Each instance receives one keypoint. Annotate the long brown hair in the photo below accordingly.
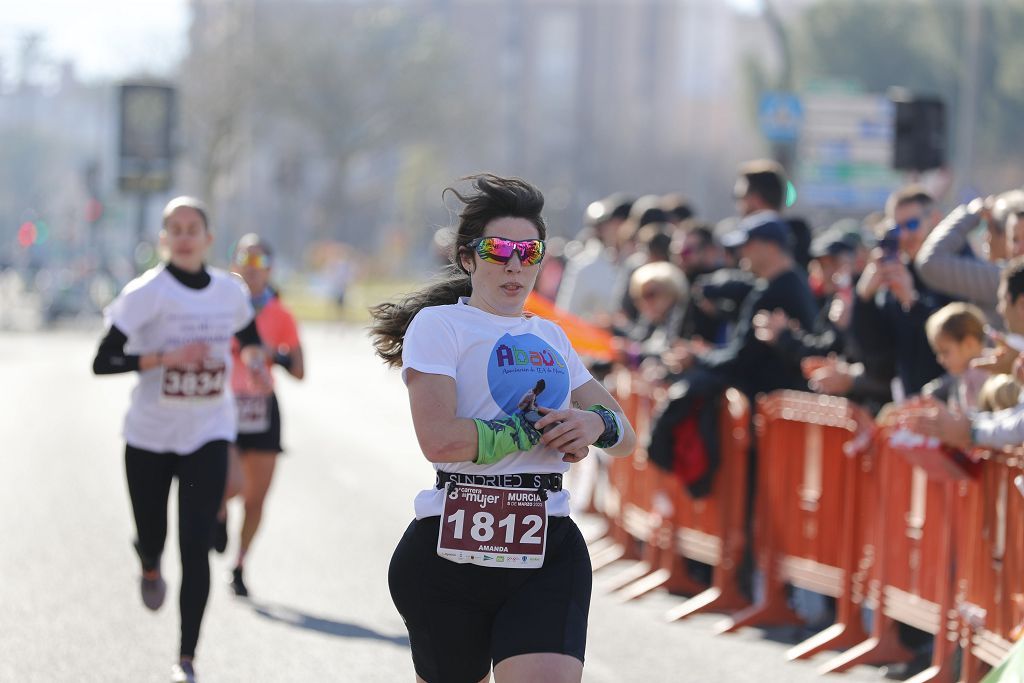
(493, 197)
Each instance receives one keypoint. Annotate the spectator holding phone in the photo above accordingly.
(892, 302)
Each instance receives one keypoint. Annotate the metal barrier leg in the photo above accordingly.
(669, 572)
(838, 636)
(882, 647)
(772, 609)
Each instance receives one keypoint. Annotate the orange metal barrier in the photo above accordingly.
(616, 499)
(807, 486)
(913, 580)
(711, 529)
(919, 541)
(675, 527)
(648, 507)
(990, 564)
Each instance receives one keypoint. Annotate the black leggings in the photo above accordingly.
(201, 478)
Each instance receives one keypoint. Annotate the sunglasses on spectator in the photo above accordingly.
(651, 294)
(500, 250)
(252, 260)
(911, 224)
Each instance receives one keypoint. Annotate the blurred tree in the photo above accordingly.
(330, 94)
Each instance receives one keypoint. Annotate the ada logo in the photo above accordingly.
(517, 363)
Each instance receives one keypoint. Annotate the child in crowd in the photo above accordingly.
(956, 333)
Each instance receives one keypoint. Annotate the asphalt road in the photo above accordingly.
(320, 608)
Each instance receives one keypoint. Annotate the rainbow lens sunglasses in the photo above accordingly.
(499, 250)
(244, 258)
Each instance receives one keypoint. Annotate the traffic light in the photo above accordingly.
(27, 234)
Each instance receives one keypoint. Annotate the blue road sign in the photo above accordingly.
(780, 116)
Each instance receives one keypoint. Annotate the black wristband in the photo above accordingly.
(610, 436)
(283, 359)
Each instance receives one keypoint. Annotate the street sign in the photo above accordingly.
(845, 151)
(780, 116)
(146, 140)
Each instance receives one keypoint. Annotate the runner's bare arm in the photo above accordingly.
(442, 436)
(297, 366)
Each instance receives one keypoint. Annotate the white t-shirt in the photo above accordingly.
(494, 361)
(171, 411)
(588, 283)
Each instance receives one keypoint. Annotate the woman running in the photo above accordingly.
(259, 418)
(174, 325)
(493, 572)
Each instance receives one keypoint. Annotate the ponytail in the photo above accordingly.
(391, 319)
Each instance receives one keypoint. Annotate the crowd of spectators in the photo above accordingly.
(905, 304)
(906, 308)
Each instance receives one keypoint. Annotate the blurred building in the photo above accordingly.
(582, 98)
(59, 151)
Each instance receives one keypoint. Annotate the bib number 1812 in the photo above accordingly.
(493, 527)
(483, 527)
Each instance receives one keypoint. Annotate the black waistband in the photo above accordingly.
(549, 482)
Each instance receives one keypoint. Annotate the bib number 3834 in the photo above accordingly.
(493, 527)
(181, 386)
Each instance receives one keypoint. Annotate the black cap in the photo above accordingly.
(769, 231)
(831, 243)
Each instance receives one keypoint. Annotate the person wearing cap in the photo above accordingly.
(583, 290)
(678, 208)
(747, 362)
(860, 240)
(893, 302)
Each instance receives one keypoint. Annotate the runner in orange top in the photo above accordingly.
(259, 418)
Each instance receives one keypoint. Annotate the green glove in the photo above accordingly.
(497, 438)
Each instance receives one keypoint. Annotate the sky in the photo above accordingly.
(104, 38)
(108, 39)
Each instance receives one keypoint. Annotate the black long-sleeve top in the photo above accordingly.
(882, 328)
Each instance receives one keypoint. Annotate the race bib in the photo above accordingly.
(253, 413)
(493, 527)
(188, 386)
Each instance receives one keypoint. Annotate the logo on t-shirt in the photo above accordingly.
(515, 366)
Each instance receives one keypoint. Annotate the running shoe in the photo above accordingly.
(237, 584)
(183, 672)
(153, 592)
(220, 534)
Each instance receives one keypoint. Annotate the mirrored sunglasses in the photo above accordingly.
(500, 250)
(252, 260)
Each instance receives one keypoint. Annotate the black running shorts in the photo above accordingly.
(463, 617)
(269, 440)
